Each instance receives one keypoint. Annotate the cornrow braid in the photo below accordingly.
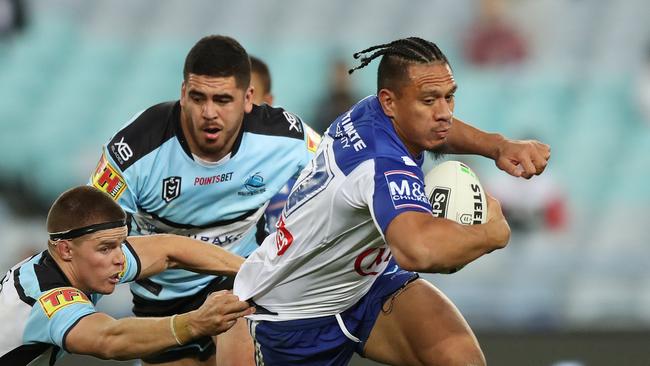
(412, 49)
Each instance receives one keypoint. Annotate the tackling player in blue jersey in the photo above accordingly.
(205, 167)
(48, 301)
(324, 284)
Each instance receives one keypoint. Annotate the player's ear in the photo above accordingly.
(387, 100)
(183, 88)
(248, 99)
(63, 248)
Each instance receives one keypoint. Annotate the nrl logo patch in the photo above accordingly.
(171, 188)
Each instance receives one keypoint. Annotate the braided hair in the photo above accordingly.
(395, 57)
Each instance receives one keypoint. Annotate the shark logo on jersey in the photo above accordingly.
(406, 189)
(253, 185)
(171, 188)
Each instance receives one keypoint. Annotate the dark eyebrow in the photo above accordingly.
(222, 97)
(194, 93)
(436, 92)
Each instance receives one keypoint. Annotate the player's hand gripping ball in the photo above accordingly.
(456, 194)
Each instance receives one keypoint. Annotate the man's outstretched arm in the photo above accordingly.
(102, 336)
(519, 158)
(160, 252)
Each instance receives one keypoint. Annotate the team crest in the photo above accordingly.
(171, 188)
(253, 185)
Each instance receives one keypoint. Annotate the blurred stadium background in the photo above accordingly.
(573, 286)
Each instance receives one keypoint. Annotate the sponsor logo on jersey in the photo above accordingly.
(253, 185)
(348, 135)
(406, 189)
(440, 201)
(171, 188)
(122, 150)
(283, 237)
(294, 121)
(220, 240)
(313, 139)
(220, 178)
(58, 298)
(369, 262)
(107, 179)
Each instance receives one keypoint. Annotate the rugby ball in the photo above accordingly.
(456, 194)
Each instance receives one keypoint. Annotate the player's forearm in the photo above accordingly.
(131, 338)
(466, 139)
(164, 251)
(435, 245)
(201, 257)
(459, 245)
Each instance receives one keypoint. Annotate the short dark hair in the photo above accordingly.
(396, 56)
(259, 67)
(219, 56)
(82, 206)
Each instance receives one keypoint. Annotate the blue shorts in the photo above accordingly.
(321, 341)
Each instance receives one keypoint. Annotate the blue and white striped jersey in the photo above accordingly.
(329, 246)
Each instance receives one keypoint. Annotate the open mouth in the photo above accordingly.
(211, 133)
(114, 279)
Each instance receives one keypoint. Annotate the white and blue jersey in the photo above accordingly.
(329, 247)
(40, 307)
(147, 167)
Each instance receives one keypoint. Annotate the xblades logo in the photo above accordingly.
(123, 149)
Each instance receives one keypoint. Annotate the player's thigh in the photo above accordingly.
(421, 326)
(186, 362)
(235, 347)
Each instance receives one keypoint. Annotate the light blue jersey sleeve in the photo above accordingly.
(132, 266)
(56, 312)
